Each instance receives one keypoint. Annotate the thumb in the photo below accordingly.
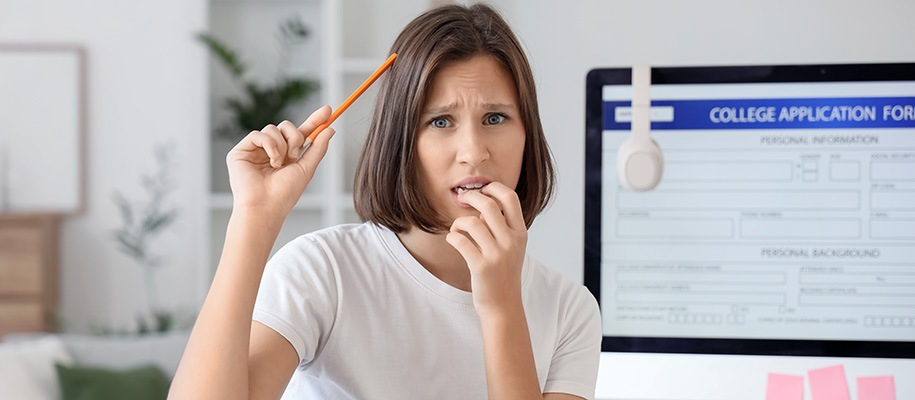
(314, 154)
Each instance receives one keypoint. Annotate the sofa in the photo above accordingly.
(43, 366)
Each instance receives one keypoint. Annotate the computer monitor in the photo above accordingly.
(784, 223)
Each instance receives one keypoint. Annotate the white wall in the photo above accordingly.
(565, 39)
(146, 86)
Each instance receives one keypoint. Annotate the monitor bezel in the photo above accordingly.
(599, 77)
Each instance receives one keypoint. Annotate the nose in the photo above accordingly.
(472, 148)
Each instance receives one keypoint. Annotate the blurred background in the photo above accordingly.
(133, 140)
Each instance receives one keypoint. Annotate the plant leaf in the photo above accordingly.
(297, 89)
(156, 222)
(223, 53)
(128, 244)
(294, 28)
(124, 206)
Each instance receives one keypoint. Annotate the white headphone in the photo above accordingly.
(639, 163)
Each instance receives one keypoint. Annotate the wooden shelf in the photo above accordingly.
(28, 273)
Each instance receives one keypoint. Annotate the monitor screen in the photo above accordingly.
(784, 222)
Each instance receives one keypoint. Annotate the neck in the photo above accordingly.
(437, 256)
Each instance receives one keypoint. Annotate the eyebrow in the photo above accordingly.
(447, 108)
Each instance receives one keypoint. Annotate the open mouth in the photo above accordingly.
(470, 186)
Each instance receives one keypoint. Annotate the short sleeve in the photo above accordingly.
(298, 296)
(573, 369)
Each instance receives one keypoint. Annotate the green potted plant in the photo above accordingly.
(141, 222)
(260, 104)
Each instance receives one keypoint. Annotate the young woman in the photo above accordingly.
(433, 297)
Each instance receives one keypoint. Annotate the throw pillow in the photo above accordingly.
(93, 383)
(27, 368)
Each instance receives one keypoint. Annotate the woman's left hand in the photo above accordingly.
(493, 244)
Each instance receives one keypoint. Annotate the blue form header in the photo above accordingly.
(801, 113)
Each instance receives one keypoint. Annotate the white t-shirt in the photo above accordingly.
(369, 322)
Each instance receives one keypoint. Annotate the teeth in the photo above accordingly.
(473, 186)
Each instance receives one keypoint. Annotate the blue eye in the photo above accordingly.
(440, 122)
(495, 119)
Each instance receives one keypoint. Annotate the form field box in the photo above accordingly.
(800, 228)
(857, 300)
(845, 171)
(702, 298)
(893, 170)
(727, 171)
(893, 229)
(870, 278)
(895, 200)
(724, 278)
(820, 200)
(658, 114)
(675, 228)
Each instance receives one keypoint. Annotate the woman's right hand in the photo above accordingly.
(263, 172)
(225, 349)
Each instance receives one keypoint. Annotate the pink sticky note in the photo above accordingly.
(876, 388)
(785, 387)
(828, 383)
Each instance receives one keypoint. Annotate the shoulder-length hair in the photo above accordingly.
(387, 188)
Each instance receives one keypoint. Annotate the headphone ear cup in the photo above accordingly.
(639, 165)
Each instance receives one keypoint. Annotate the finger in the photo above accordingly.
(293, 137)
(465, 246)
(258, 140)
(279, 157)
(477, 231)
(508, 203)
(316, 118)
(490, 211)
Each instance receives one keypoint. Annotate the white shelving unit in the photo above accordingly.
(349, 39)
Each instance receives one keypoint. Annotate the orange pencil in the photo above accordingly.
(333, 117)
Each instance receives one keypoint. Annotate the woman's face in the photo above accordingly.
(470, 133)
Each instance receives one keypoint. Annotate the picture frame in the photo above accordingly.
(42, 129)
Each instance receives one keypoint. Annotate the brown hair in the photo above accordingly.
(387, 188)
